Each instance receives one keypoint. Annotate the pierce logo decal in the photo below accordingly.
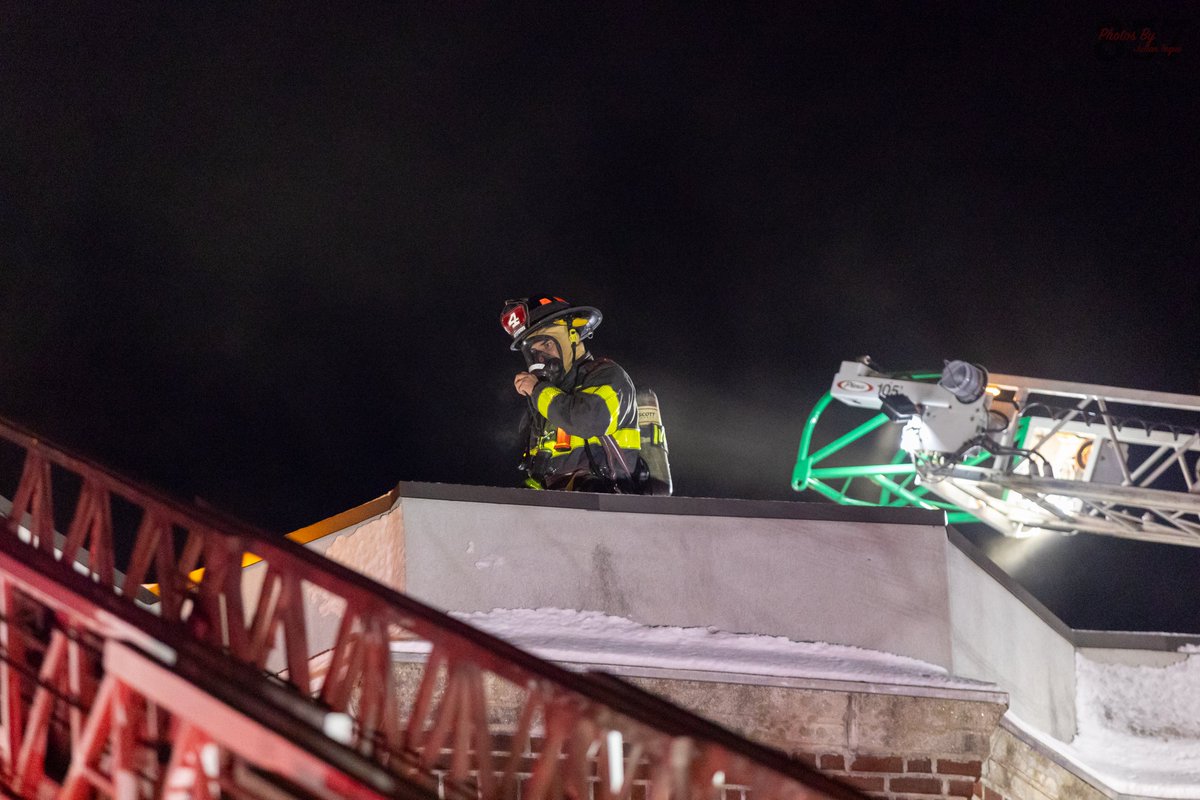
(855, 386)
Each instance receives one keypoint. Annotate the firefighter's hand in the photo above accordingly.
(524, 383)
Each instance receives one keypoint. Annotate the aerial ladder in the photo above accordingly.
(1026, 456)
(207, 688)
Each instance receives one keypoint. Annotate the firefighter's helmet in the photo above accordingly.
(521, 318)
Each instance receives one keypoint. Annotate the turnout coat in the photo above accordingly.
(585, 429)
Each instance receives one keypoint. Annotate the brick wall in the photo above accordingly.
(893, 746)
(842, 722)
(890, 777)
(1014, 767)
(985, 792)
(1018, 768)
(897, 777)
(888, 745)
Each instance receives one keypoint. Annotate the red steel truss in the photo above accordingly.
(105, 694)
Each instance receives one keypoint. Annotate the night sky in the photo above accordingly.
(257, 255)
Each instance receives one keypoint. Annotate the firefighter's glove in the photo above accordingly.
(524, 383)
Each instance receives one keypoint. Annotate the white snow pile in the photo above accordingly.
(1139, 726)
(595, 639)
(1145, 701)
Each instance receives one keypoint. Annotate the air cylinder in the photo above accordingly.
(654, 444)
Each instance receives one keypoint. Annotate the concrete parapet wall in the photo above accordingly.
(999, 637)
(881, 586)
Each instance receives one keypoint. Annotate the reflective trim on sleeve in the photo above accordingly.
(611, 400)
(544, 397)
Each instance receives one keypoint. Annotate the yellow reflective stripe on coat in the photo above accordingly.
(626, 439)
(611, 400)
(544, 398)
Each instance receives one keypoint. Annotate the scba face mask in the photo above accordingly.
(544, 358)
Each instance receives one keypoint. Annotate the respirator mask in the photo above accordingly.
(543, 358)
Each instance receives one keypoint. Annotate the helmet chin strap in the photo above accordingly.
(575, 346)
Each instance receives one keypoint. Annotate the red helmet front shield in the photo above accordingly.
(514, 319)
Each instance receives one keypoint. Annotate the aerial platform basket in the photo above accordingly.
(1023, 455)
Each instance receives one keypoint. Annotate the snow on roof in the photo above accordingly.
(600, 640)
(1139, 726)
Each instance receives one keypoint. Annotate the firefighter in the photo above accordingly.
(583, 410)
